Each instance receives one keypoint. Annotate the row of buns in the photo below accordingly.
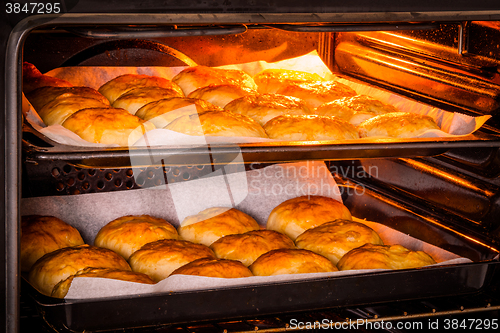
(277, 104)
(303, 235)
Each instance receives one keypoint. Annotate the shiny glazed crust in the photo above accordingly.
(164, 111)
(56, 266)
(294, 216)
(250, 245)
(264, 107)
(335, 238)
(159, 259)
(270, 81)
(396, 125)
(61, 289)
(218, 268)
(372, 256)
(127, 234)
(124, 83)
(41, 96)
(44, 234)
(309, 128)
(291, 261)
(136, 98)
(214, 123)
(221, 94)
(107, 126)
(213, 223)
(196, 77)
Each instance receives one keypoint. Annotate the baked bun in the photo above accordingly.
(218, 268)
(221, 94)
(270, 81)
(107, 126)
(213, 223)
(124, 83)
(159, 259)
(294, 216)
(291, 261)
(316, 93)
(264, 107)
(136, 98)
(61, 289)
(335, 238)
(59, 109)
(355, 109)
(250, 245)
(44, 234)
(41, 96)
(309, 128)
(56, 266)
(373, 256)
(33, 79)
(127, 234)
(397, 125)
(164, 111)
(196, 77)
(215, 123)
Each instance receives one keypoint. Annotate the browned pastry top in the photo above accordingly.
(372, 256)
(221, 94)
(291, 261)
(41, 96)
(294, 216)
(335, 238)
(33, 79)
(272, 80)
(397, 125)
(309, 128)
(127, 234)
(107, 126)
(159, 259)
(219, 268)
(56, 266)
(136, 98)
(61, 289)
(43, 234)
(250, 245)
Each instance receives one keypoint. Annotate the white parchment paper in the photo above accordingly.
(451, 124)
(255, 192)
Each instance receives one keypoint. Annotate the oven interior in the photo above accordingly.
(453, 66)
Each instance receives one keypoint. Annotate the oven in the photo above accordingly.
(443, 191)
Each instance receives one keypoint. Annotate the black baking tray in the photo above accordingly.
(37, 147)
(304, 295)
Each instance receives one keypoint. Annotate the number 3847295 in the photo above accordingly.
(32, 8)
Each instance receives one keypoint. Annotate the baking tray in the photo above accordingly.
(302, 295)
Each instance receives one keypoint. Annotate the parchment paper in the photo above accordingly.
(255, 192)
(451, 124)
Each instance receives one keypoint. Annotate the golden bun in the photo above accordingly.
(34, 79)
(42, 96)
(309, 128)
(264, 107)
(122, 84)
(127, 234)
(159, 259)
(61, 289)
(216, 123)
(196, 77)
(291, 261)
(396, 125)
(136, 98)
(373, 256)
(213, 223)
(335, 238)
(316, 93)
(44, 234)
(221, 94)
(213, 267)
(107, 126)
(270, 81)
(250, 245)
(164, 111)
(294, 216)
(56, 266)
